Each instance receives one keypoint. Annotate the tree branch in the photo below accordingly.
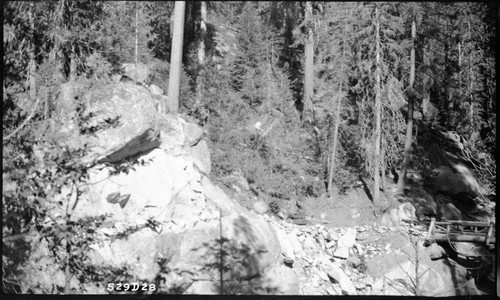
(24, 123)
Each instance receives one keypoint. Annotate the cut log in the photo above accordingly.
(454, 237)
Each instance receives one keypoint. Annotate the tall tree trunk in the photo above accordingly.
(203, 33)
(459, 46)
(72, 64)
(448, 107)
(378, 112)
(67, 270)
(337, 118)
(382, 166)
(221, 253)
(269, 55)
(176, 57)
(409, 121)
(55, 55)
(426, 95)
(471, 79)
(136, 38)
(201, 49)
(32, 62)
(308, 67)
(55, 61)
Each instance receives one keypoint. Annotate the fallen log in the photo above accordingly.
(457, 237)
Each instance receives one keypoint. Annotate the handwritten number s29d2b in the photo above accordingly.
(131, 287)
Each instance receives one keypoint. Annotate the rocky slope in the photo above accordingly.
(369, 260)
(169, 225)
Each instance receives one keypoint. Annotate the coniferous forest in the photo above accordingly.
(302, 104)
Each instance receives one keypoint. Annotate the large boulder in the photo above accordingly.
(137, 252)
(336, 273)
(191, 212)
(164, 212)
(128, 119)
(152, 188)
(155, 90)
(148, 188)
(248, 241)
(285, 243)
(246, 254)
(195, 145)
(280, 280)
(394, 216)
(138, 73)
(193, 133)
(193, 217)
(200, 153)
(425, 207)
(453, 180)
(446, 210)
(400, 281)
(246, 225)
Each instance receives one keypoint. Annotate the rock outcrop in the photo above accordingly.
(138, 73)
(454, 180)
(155, 90)
(401, 281)
(164, 207)
(129, 120)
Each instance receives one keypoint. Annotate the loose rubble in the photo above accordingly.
(330, 261)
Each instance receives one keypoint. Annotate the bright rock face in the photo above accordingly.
(130, 122)
(172, 208)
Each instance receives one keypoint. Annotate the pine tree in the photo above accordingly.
(456, 65)
(308, 65)
(333, 65)
(126, 30)
(378, 79)
(412, 15)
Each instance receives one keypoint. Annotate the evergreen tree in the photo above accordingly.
(456, 64)
(410, 91)
(378, 79)
(118, 34)
(333, 52)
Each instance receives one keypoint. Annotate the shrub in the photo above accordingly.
(43, 181)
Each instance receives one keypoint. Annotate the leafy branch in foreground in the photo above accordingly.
(44, 179)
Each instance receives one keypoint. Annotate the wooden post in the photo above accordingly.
(431, 228)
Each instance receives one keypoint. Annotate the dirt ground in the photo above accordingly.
(353, 209)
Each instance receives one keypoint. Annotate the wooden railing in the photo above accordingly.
(461, 231)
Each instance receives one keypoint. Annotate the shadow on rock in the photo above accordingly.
(232, 265)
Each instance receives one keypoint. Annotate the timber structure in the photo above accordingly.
(461, 231)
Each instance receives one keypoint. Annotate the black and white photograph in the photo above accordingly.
(262, 148)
